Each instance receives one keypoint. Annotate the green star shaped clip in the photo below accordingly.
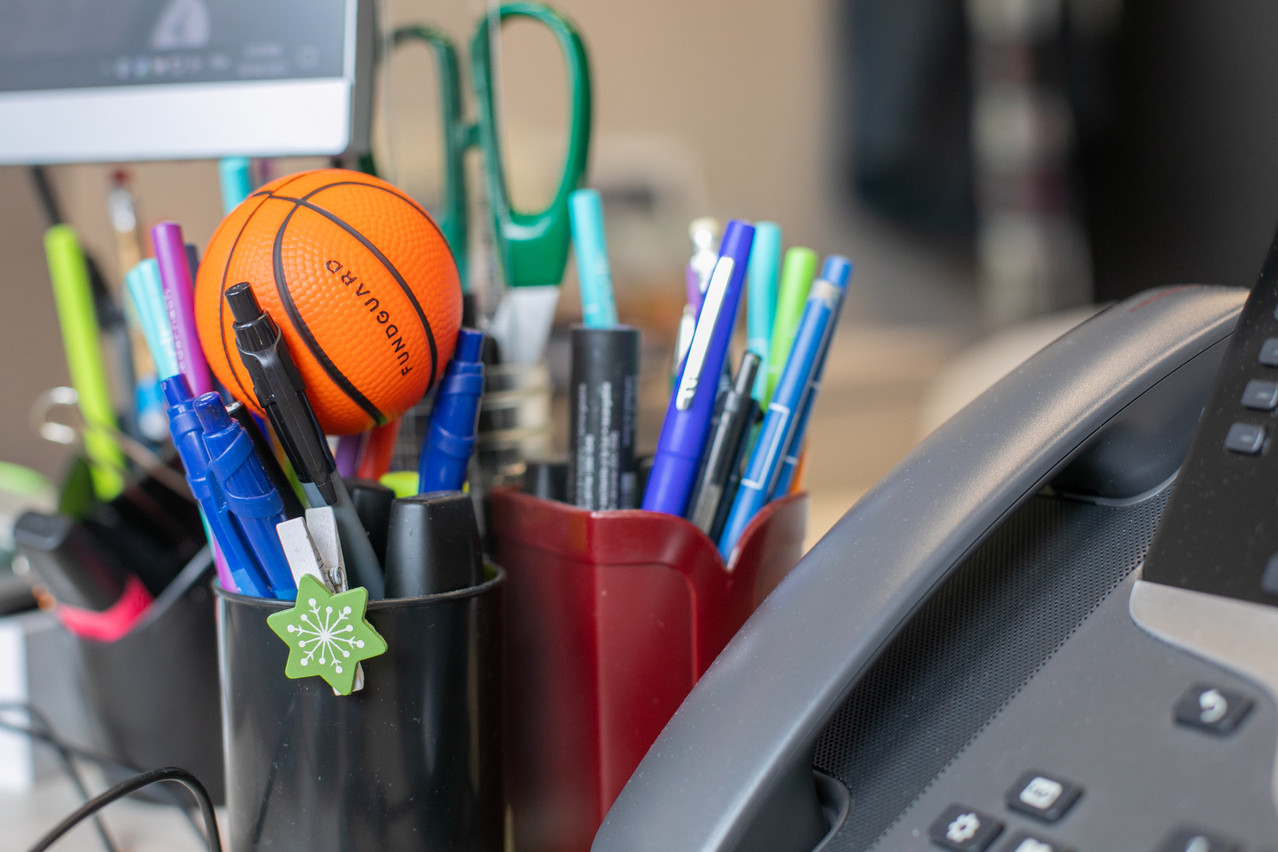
(327, 634)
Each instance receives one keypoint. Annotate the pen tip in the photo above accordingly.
(328, 491)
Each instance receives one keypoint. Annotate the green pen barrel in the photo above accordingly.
(413, 761)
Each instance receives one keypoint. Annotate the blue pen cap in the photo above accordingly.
(837, 270)
(470, 345)
(212, 412)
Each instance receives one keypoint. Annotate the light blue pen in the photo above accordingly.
(590, 248)
(795, 449)
(147, 292)
(811, 342)
(236, 177)
(761, 298)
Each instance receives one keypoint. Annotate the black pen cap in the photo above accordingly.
(372, 502)
(432, 545)
(254, 328)
(547, 478)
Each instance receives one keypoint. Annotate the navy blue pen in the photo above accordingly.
(188, 439)
(687, 424)
(454, 419)
(255, 506)
(811, 342)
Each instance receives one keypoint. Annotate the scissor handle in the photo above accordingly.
(451, 217)
(533, 246)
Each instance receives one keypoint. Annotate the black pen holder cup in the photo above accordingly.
(152, 694)
(413, 761)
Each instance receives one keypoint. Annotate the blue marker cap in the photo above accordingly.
(590, 247)
(450, 440)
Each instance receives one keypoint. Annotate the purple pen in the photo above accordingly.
(687, 424)
(179, 299)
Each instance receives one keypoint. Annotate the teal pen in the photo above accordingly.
(590, 248)
(236, 177)
(147, 294)
(761, 298)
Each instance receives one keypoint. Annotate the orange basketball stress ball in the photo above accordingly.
(360, 281)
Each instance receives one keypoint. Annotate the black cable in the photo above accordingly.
(46, 734)
(100, 760)
(130, 785)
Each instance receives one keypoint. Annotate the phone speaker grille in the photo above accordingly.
(1006, 610)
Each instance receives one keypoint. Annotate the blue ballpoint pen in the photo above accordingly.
(761, 297)
(687, 424)
(450, 440)
(795, 448)
(811, 342)
(188, 439)
(590, 248)
(254, 504)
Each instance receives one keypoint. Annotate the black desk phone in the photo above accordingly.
(1054, 626)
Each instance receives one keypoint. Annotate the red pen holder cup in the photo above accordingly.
(611, 619)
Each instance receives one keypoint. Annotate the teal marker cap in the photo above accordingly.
(761, 297)
(236, 178)
(590, 247)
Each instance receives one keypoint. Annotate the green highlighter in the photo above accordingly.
(74, 299)
(797, 272)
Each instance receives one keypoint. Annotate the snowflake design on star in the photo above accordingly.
(327, 634)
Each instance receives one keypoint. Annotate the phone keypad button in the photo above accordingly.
(1261, 395)
(1212, 708)
(1245, 438)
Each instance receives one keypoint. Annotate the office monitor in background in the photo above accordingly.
(183, 79)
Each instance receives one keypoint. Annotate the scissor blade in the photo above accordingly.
(522, 322)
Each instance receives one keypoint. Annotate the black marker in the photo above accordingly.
(736, 411)
(372, 502)
(603, 393)
(547, 478)
(432, 545)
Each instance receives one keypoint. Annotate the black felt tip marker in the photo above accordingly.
(736, 412)
(603, 391)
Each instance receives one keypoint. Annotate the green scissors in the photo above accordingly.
(532, 246)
